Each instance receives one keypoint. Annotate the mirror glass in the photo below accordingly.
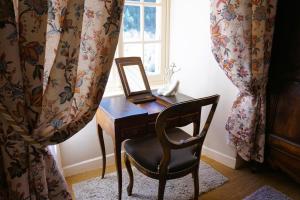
(134, 78)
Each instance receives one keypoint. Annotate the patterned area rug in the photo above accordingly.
(146, 188)
(267, 193)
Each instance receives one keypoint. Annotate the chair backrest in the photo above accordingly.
(180, 115)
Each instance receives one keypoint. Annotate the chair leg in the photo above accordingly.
(129, 170)
(196, 183)
(161, 187)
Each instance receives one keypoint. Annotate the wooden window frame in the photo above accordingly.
(114, 85)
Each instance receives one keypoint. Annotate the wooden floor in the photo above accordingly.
(241, 182)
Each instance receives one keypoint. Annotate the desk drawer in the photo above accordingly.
(133, 131)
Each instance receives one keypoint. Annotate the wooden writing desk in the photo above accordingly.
(123, 120)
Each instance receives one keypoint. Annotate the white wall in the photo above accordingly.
(200, 75)
(82, 151)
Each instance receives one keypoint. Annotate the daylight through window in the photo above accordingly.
(143, 34)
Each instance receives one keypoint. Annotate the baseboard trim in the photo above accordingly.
(96, 163)
(88, 165)
(219, 157)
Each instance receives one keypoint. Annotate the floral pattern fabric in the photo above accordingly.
(241, 33)
(55, 58)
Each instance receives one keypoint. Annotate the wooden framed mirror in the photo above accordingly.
(134, 80)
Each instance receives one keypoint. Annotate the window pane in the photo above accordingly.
(152, 23)
(132, 25)
(133, 50)
(157, 1)
(152, 58)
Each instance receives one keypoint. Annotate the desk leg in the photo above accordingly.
(100, 135)
(118, 166)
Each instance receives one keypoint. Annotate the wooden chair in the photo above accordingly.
(171, 153)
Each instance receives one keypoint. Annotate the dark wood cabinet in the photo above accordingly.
(283, 99)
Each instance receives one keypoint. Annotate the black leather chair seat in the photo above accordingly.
(147, 152)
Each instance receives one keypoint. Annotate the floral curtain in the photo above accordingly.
(55, 58)
(241, 33)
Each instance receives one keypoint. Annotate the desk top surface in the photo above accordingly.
(118, 107)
